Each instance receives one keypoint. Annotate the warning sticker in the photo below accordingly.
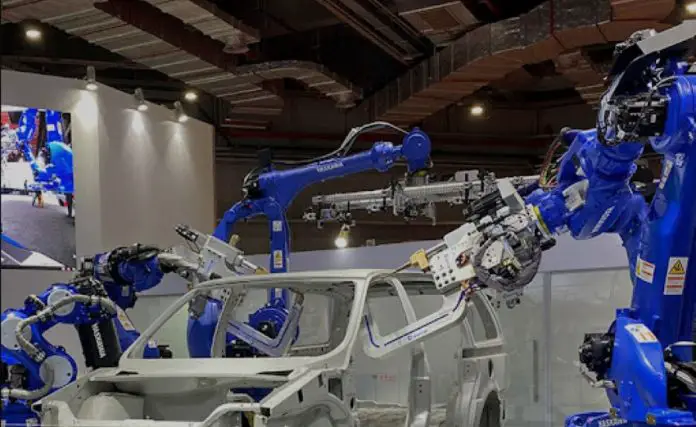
(123, 318)
(277, 226)
(277, 259)
(641, 333)
(645, 270)
(676, 275)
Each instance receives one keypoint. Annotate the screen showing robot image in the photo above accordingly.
(38, 203)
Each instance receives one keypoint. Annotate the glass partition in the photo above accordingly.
(524, 331)
(582, 302)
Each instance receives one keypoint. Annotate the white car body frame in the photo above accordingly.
(196, 392)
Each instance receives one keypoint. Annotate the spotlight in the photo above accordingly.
(140, 100)
(691, 8)
(343, 235)
(33, 34)
(236, 44)
(91, 79)
(179, 112)
(477, 110)
(190, 96)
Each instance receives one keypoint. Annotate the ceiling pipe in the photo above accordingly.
(394, 22)
(365, 29)
(381, 26)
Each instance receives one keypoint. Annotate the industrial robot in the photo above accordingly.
(269, 191)
(94, 302)
(645, 360)
(56, 174)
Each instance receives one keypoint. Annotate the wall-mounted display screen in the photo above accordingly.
(38, 203)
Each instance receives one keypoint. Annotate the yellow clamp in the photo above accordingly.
(260, 270)
(420, 259)
(540, 220)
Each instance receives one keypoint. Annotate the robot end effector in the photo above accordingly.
(130, 269)
(499, 246)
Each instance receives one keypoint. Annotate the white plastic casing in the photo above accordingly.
(443, 265)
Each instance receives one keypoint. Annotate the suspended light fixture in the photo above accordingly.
(32, 30)
(179, 113)
(91, 79)
(343, 237)
(33, 34)
(140, 103)
(477, 110)
(191, 96)
(691, 8)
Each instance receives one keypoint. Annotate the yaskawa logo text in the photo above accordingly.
(325, 167)
(612, 422)
(98, 338)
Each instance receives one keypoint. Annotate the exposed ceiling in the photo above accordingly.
(403, 60)
(255, 63)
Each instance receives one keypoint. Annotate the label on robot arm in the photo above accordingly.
(645, 270)
(124, 320)
(676, 275)
(666, 171)
(277, 226)
(641, 333)
(278, 259)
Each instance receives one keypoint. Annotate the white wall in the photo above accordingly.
(137, 174)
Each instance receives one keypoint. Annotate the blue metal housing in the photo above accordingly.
(275, 190)
(137, 276)
(660, 242)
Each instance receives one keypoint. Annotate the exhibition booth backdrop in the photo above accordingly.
(137, 175)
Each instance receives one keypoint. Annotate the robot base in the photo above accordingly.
(604, 419)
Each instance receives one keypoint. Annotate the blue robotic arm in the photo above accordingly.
(95, 303)
(57, 174)
(646, 360)
(126, 271)
(594, 194)
(271, 192)
(33, 367)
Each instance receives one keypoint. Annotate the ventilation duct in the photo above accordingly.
(120, 26)
(211, 21)
(377, 23)
(490, 52)
(587, 80)
(312, 75)
(437, 20)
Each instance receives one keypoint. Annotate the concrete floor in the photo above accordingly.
(47, 230)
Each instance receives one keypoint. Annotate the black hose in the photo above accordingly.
(346, 145)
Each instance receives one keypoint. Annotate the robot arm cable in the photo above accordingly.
(36, 354)
(48, 312)
(347, 143)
